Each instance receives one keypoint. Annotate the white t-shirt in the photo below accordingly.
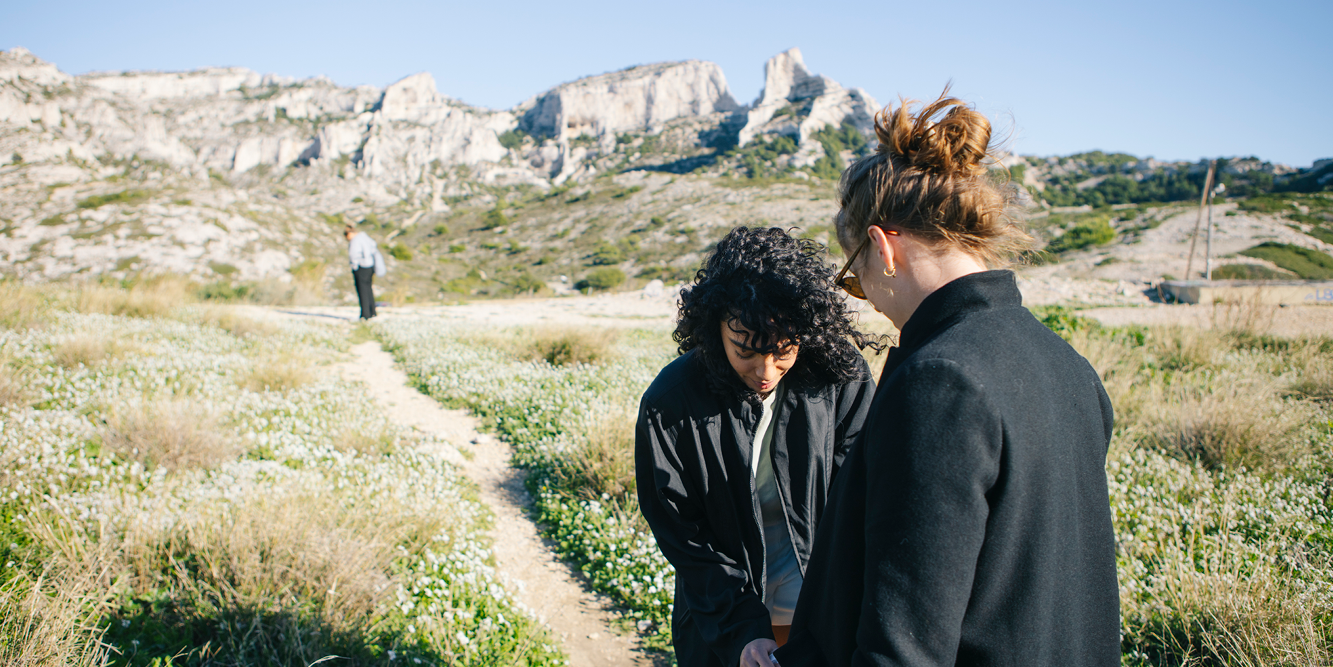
(784, 572)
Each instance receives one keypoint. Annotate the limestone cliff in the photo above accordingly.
(797, 103)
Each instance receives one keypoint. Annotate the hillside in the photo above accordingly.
(243, 181)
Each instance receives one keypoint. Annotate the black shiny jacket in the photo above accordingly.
(692, 454)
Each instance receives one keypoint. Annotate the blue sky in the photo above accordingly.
(1174, 80)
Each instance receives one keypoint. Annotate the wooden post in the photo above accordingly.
(1208, 247)
(1207, 186)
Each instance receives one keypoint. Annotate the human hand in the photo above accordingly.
(758, 653)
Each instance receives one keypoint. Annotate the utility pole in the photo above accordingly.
(1203, 199)
(1208, 249)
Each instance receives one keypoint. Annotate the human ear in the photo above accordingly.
(885, 247)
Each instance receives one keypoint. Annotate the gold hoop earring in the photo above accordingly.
(893, 274)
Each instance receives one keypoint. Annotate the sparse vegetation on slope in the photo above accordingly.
(207, 496)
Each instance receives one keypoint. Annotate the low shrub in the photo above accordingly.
(602, 279)
(400, 252)
(1095, 232)
(126, 197)
(1249, 272)
(1304, 262)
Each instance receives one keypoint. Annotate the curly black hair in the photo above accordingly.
(780, 288)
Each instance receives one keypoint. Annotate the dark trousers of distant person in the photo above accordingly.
(364, 293)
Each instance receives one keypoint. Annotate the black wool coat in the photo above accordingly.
(971, 524)
(692, 461)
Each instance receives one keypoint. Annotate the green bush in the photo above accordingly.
(1304, 262)
(126, 197)
(512, 139)
(1097, 231)
(441, 229)
(607, 253)
(457, 248)
(494, 218)
(1267, 204)
(1063, 321)
(602, 279)
(400, 252)
(757, 158)
(1248, 272)
(835, 141)
(526, 284)
(222, 291)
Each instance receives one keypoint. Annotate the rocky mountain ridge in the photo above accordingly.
(234, 177)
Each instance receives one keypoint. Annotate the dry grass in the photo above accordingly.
(1243, 422)
(153, 296)
(1313, 364)
(43, 619)
(562, 346)
(171, 434)
(21, 306)
(1186, 392)
(227, 319)
(1225, 616)
(14, 383)
(374, 444)
(603, 463)
(274, 580)
(268, 580)
(87, 350)
(277, 374)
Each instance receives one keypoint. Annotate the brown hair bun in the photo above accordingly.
(930, 177)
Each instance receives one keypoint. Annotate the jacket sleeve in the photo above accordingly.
(710, 583)
(933, 463)
(854, 401)
(379, 262)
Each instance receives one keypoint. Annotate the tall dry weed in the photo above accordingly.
(48, 616)
(563, 346)
(277, 374)
(21, 306)
(169, 434)
(1312, 362)
(15, 380)
(1240, 422)
(228, 319)
(86, 350)
(602, 463)
(274, 580)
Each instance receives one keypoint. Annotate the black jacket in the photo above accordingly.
(971, 524)
(692, 459)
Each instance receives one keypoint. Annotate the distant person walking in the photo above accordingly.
(367, 262)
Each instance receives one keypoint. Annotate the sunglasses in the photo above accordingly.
(851, 284)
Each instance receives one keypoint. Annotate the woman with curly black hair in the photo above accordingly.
(739, 438)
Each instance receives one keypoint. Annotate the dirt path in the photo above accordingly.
(553, 590)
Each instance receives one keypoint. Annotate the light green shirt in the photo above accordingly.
(783, 571)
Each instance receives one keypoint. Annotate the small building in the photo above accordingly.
(1270, 292)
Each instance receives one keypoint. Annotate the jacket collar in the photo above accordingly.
(963, 296)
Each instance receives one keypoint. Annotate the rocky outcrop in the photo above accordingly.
(638, 99)
(797, 103)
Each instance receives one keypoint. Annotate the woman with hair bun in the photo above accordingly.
(971, 523)
(739, 438)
